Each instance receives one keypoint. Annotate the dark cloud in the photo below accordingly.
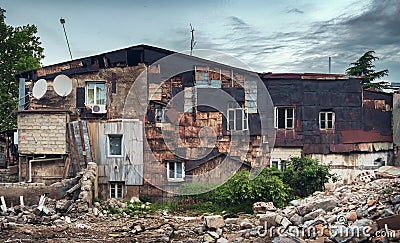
(295, 10)
(344, 38)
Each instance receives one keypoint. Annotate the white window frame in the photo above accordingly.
(114, 187)
(95, 92)
(245, 119)
(325, 113)
(286, 118)
(175, 179)
(280, 164)
(109, 148)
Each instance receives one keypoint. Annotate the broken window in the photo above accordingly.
(116, 189)
(237, 118)
(96, 93)
(326, 120)
(175, 171)
(115, 145)
(284, 117)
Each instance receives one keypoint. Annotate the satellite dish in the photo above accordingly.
(39, 89)
(62, 85)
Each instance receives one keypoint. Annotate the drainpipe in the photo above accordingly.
(21, 101)
(41, 159)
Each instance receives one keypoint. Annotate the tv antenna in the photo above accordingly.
(62, 21)
(192, 42)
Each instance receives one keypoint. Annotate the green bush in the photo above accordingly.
(306, 175)
(240, 192)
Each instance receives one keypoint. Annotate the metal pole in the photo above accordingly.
(62, 21)
(329, 64)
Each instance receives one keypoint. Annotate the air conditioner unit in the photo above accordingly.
(99, 109)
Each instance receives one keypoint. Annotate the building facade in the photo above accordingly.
(153, 119)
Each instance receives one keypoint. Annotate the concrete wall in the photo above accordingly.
(285, 153)
(348, 166)
(42, 132)
(396, 128)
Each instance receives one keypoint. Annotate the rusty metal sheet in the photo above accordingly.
(365, 147)
(361, 136)
(342, 148)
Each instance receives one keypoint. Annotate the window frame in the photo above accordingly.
(244, 120)
(175, 178)
(109, 146)
(114, 189)
(326, 120)
(163, 110)
(276, 120)
(281, 164)
(94, 93)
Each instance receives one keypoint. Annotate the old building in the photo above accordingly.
(331, 118)
(152, 119)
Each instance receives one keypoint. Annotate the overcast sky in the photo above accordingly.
(270, 36)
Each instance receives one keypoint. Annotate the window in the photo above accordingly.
(96, 93)
(115, 148)
(161, 114)
(284, 117)
(175, 171)
(116, 189)
(278, 163)
(326, 120)
(237, 118)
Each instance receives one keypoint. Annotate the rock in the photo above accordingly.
(327, 204)
(262, 207)
(361, 213)
(63, 205)
(287, 239)
(395, 199)
(246, 224)
(285, 222)
(371, 202)
(135, 200)
(267, 219)
(231, 220)
(97, 204)
(214, 235)
(351, 216)
(372, 209)
(214, 221)
(58, 222)
(222, 240)
(296, 219)
(208, 239)
(314, 214)
(95, 211)
(278, 219)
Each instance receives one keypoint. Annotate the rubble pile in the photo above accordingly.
(351, 213)
(362, 212)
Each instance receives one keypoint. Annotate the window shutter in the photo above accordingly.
(80, 97)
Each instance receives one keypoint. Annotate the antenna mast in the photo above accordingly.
(192, 42)
(62, 21)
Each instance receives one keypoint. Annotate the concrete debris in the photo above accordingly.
(322, 217)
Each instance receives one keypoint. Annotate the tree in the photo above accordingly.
(364, 67)
(20, 51)
(306, 175)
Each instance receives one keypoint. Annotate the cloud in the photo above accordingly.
(295, 10)
(344, 38)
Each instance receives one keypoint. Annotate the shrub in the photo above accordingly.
(306, 175)
(240, 192)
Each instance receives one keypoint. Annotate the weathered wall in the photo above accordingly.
(348, 166)
(42, 132)
(127, 168)
(396, 128)
(46, 172)
(285, 153)
(32, 191)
